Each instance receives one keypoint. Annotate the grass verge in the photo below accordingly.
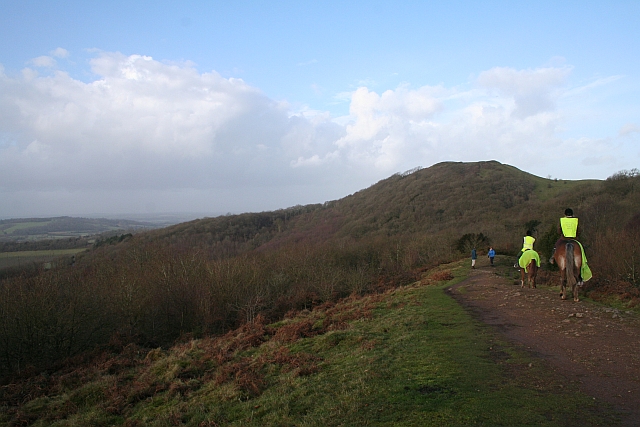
(409, 357)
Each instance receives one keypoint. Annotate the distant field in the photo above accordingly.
(24, 225)
(13, 259)
(60, 228)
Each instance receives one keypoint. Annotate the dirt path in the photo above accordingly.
(596, 347)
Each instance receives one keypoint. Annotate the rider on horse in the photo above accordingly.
(568, 225)
(568, 228)
(527, 245)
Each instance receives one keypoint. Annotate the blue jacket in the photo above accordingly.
(473, 254)
(491, 253)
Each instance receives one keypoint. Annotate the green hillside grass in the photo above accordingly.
(547, 189)
(408, 357)
(14, 226)
(444, 202)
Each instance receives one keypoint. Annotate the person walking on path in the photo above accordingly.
(474, 256)
(491, 254)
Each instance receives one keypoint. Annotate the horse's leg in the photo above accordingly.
(570, 269)
(577, 266)
(563, 284)
(532, 275)
(522, 277)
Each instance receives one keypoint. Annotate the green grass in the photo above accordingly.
(413, 358)
(421, 361)
(547, 189)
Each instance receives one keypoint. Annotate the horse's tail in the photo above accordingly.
(570, 264)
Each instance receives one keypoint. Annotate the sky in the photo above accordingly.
(211, 107)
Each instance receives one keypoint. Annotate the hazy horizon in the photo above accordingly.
(173, 217)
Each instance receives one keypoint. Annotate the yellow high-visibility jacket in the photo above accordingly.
(528, 243)
(569, 227)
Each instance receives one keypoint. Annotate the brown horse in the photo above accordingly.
(532, 271)
(529, 261)
(568, 257)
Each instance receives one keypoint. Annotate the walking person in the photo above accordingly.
(474, 256)
(491, 254)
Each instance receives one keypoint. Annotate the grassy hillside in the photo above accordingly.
(210, 276)
(409, 356)
(441, 203)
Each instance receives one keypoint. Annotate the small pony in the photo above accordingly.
(568, 257)
(529, 263)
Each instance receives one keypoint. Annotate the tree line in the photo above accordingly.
(152, 294)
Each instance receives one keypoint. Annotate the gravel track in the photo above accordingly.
(596, 347)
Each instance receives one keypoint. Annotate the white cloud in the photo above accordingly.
(36, 148)
(598, 161)
(401, 128)
(317, 89)
(138, 117)
(593, 84)
(383, 126)
(60, 53)
(145, 131)
(533, 91)
(314, 160)
(43, 61)
(628, 129)
(310, 62)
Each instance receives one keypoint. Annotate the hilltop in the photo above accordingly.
(443, 203)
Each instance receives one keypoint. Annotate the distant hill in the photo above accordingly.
(430, 208)
(448, 199)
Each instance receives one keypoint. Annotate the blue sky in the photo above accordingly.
(212, 107)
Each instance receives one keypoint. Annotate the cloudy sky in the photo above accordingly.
(213, 107)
